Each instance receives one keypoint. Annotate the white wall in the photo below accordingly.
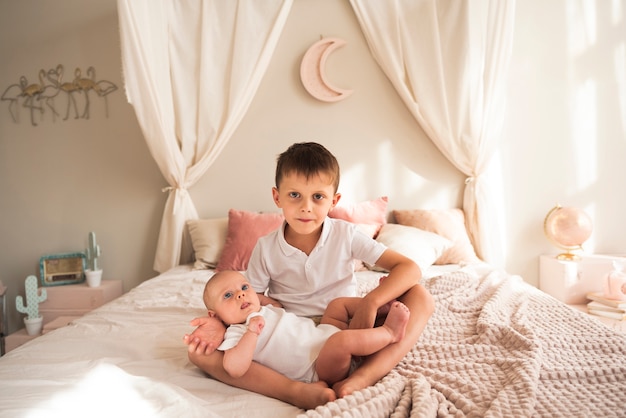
(564, 140)
(62, 179)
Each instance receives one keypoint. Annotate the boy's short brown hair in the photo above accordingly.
(307, 159)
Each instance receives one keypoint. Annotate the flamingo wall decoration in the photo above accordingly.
(43, 97)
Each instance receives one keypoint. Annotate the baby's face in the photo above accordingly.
(231, 297)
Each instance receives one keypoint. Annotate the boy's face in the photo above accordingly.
(305, 202)
(230, 297)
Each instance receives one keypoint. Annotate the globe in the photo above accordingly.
(568, 228)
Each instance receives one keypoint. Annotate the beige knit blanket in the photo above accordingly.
(497, 347)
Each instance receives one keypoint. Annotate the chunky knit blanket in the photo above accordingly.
(497, 347)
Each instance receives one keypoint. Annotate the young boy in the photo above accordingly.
(304, 265)
(261, 333)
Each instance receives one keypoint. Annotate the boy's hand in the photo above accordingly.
(207, 336)
(256, 324)
(364, 316)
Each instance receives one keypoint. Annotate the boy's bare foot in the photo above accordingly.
(396, 321)
(312, 395)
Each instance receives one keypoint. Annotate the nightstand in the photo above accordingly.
(66, 303)
(570, 281)
(615, 324)
(77, 299)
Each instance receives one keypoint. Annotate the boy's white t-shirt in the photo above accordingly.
(288, 343)
(305, 284)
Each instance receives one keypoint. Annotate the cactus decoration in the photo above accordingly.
(33, 298)
(93, 252)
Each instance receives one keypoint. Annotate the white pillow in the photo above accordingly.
(450, 224)
(423, 247)
(208, 237)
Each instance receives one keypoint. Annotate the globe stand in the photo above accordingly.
(568, 256)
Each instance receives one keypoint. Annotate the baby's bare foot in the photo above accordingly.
(396, 321)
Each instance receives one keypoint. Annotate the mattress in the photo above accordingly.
(495, 346)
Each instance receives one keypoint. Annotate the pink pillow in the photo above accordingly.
(244, 229)
(449, 223)
(371, 215)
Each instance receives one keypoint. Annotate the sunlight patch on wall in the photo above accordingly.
(357, 179)
(617, 12)
(351, 177)
(582, 30)
(382, 172)
(582, 36)
(620, 77)
(495, 183)
(406, 188)
(617, 19)
(385, 159)
(584, 134)
(591, 209)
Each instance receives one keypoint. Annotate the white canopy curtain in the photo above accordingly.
(448, 60)
(191, 69)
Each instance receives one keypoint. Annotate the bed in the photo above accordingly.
(495, 346)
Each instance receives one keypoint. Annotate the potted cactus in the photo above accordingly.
(34, 296)
(93, 273)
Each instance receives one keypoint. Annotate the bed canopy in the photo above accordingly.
(188, 104)
(458, 97)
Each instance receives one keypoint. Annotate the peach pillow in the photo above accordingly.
(450, 224)
(370, 215)
(244, 229)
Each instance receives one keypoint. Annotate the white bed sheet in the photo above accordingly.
(127, 358)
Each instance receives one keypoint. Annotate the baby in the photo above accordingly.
(290, 344)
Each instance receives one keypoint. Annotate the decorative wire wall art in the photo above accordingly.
(55, 96)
